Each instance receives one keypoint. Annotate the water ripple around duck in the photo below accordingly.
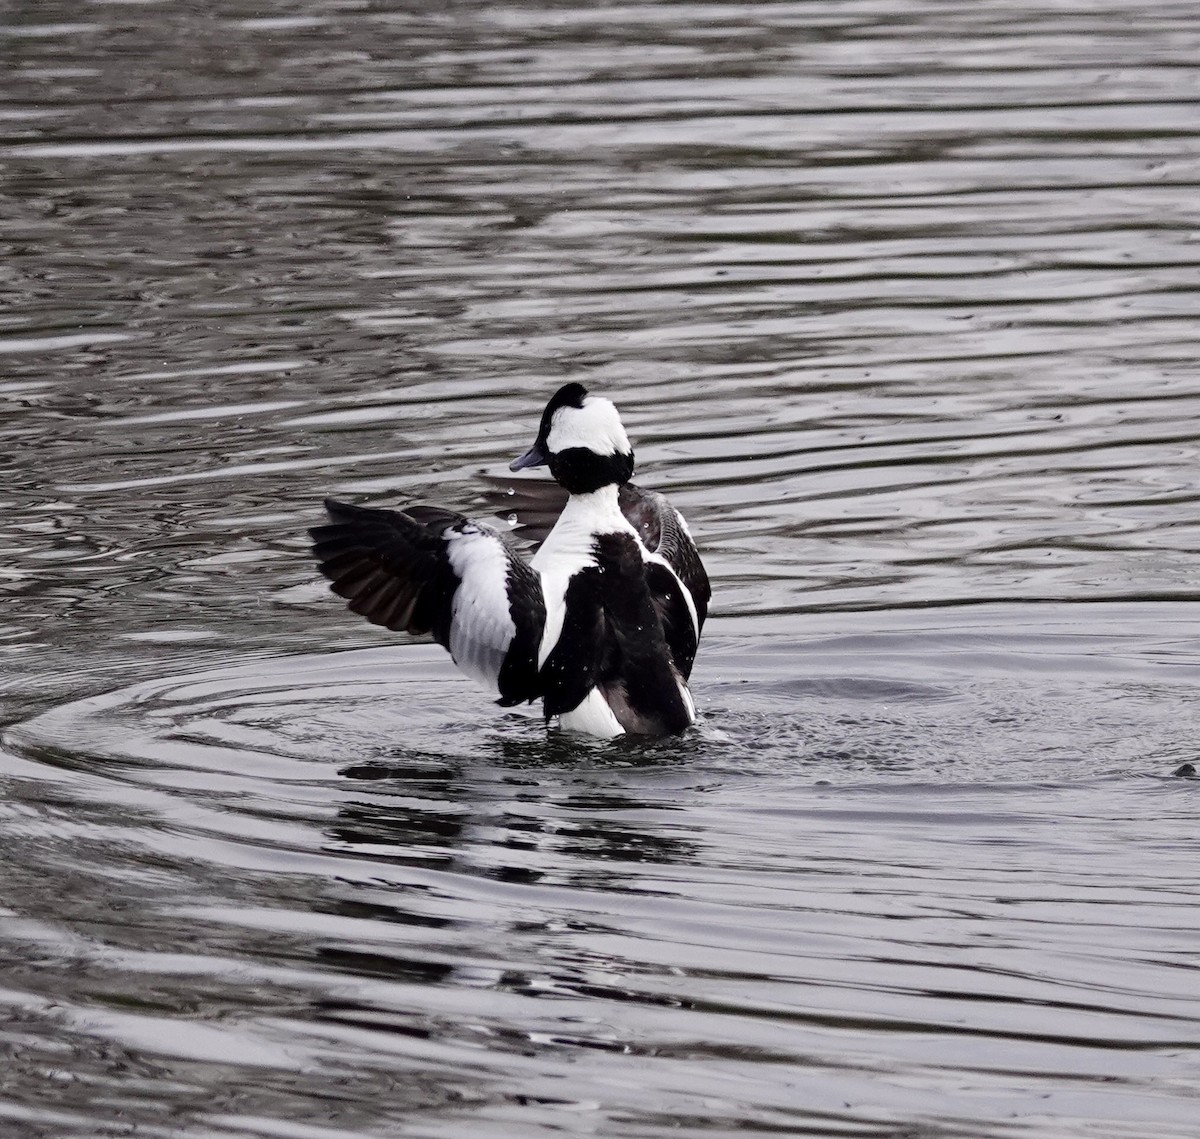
(899, 306)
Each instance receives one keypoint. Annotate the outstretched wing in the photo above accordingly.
(428, 570)
(676, 576)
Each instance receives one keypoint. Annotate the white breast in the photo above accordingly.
(569, 548)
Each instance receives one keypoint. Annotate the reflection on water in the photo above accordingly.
(898, 302)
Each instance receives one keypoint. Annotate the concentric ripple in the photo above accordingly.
(896, 875)
(899, 304)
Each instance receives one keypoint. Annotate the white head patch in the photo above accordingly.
(596, 426)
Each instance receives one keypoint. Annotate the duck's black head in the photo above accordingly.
(582, 439)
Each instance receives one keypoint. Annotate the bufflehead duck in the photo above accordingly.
(602, 623)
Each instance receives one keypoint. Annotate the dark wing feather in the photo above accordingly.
(679, 630)
(674, 572)
(429, 570)
(391, 567)
(665, 533)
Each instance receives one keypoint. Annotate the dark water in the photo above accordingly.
(900, 303)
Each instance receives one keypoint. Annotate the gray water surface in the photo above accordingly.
(900, 305)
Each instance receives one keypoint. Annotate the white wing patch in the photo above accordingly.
(481, 626)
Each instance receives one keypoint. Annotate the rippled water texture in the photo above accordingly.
(900, 303)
